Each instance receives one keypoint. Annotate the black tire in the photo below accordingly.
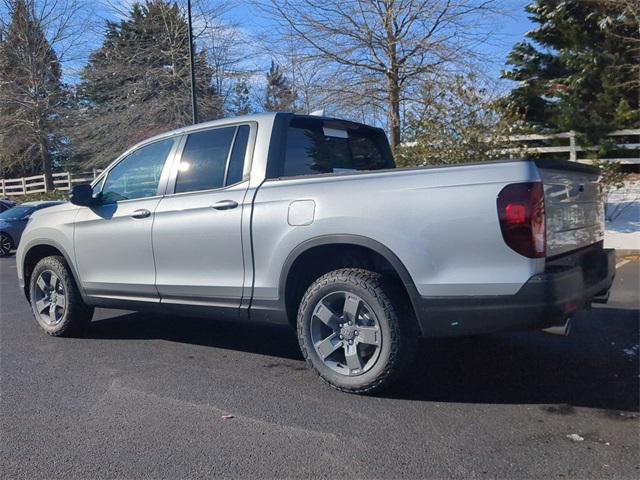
(395, 323)
(6, 244)
(74, 318)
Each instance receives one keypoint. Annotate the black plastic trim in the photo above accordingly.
(275, 310)
(566, 287)
(277, 145)
(565, 165)
(57, 246)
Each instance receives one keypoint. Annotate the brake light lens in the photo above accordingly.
(515, 214)
(522, 220)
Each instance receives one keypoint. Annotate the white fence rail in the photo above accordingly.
(36, 183)
(574, 150)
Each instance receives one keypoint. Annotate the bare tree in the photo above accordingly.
(229, 52)
(36, 38)
(384, 46)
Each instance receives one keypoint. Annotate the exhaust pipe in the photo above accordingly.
(559, 329)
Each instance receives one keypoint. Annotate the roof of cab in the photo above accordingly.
(256, 117)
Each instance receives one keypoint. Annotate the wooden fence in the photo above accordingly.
(628, 139)
(36, 183)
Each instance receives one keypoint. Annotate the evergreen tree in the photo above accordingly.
(138, 83)
(280, 96)
(31, 97)
(580, 68)
(241, 102)
(456, 121)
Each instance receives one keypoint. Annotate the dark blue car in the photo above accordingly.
(6, 205)
(13, 222)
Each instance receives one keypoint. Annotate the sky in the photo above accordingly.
(505, 31)
(512, 30)
(509, 29)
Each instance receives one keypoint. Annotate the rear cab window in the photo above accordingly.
(319, 146)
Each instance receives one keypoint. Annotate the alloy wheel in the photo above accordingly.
(50, 298)
(346, 333)
(5, 245)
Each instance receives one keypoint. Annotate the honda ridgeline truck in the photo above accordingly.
(306, 220)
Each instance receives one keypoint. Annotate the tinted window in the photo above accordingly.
(204, 160)
(314, 146)
(236, 162)
(97, 188)
(137, 176)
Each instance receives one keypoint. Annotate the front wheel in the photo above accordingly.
(56, 301)
(354, 332)
(5, 245)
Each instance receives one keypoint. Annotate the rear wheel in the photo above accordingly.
(6, 245)
(56, 301)
(353, 332)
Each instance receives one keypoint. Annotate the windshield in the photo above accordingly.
(16, 213)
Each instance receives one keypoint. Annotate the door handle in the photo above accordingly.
(225, 205)
(141, 213)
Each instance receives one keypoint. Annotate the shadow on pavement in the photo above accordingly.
(260, 338)
(593, 367)
(590, 368)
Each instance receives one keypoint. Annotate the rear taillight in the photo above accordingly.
(521, 214)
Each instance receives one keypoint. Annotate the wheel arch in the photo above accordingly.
(35, 252)
(344, 244)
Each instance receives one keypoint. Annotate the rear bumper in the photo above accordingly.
(569, 284)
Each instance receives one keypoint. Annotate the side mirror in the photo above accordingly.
(81, 195)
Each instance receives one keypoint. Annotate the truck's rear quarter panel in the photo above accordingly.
(441, 223)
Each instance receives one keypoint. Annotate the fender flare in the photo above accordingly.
(50, 243)
(348, 239)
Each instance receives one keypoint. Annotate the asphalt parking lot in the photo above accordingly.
(144, 397)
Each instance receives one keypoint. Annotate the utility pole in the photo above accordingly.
(194, 106)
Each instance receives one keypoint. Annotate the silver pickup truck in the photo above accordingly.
(305, 220)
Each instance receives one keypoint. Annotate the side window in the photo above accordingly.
(236, 161)
(137, 176)
(204, 160)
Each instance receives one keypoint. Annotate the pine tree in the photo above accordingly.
(241, 102)
(280, 96)
(31, 96)
(580, 69)
(138, 83)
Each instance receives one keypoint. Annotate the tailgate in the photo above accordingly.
(573, 206)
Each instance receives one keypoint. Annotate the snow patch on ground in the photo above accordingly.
(623, 231)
